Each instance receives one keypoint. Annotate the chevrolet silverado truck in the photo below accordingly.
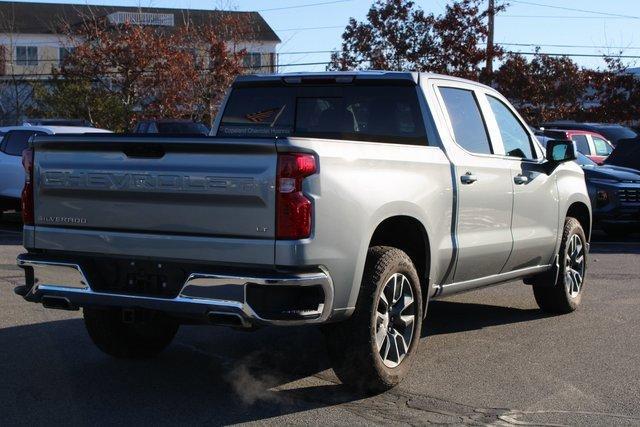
(346, 200)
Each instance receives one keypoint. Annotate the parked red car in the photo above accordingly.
(593, 145)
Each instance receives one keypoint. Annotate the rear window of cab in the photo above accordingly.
(367, 113)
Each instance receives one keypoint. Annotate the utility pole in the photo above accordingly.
(491, 11)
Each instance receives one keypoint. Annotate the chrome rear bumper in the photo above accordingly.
(61, 284)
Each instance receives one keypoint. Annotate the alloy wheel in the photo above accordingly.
(574, 265)
(395, 320)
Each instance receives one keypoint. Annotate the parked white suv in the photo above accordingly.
(12, 143)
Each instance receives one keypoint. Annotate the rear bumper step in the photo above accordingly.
(215, 298)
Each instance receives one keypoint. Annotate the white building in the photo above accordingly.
(32, 43)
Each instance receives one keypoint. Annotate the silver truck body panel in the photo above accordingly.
(516, 228)
(358, 187)
(222, 250)
(221, 190)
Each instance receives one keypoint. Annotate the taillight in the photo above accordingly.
(27, 190)
(294, 210)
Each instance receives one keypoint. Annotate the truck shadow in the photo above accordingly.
(448, 317)
(10, 229)
(51, 372)
(601, 243)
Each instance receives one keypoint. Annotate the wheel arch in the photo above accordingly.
(580, 211)
(408, 234)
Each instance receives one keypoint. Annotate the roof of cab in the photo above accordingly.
(338, 76)
(347, 77)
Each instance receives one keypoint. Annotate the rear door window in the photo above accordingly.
(16, 141)
(581, 144)
(468, 125)
(351, 112)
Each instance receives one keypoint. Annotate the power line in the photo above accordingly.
(311, 28)
(117, 73)
(49, 44)
(311, 52)
(304, 5)
(586, 55)
(305, 64)
(576, 46)
(579, 55)
(574, 9)
(567, 17)
(308, 52)
(570, 46)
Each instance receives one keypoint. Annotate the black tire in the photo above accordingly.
(151, 333)
(352, 346)
(560, 297)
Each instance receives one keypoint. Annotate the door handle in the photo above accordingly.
(520, 179)
(468, 178)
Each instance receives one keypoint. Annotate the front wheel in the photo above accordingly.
(373, 350)
(565, 295)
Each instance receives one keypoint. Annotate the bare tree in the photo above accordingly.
(16, 77)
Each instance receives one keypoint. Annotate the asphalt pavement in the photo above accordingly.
(486, 357)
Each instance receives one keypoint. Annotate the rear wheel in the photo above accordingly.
(373, 350)
(565, 295)
(144, 335)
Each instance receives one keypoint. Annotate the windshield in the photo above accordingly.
(626, 154)
(16, 141)
(616, 133)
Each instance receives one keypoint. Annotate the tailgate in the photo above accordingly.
(172, 185)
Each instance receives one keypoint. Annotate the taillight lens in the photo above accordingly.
(294, 209)
(27, 190)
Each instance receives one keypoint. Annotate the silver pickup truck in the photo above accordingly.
(347, 200)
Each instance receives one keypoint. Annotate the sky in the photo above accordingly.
(317, 25)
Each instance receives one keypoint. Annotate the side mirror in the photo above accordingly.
(559, 151)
